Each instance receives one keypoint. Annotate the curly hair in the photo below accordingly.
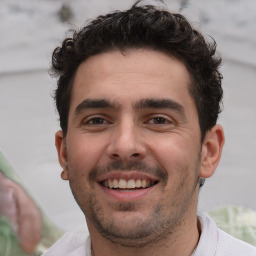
(150, 27)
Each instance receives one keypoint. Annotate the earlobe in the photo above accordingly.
(62, 154)
(211, 151)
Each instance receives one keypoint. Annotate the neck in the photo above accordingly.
(181, 241)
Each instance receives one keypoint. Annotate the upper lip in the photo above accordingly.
(126, 176)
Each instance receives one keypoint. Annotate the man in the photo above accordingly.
(138, 95)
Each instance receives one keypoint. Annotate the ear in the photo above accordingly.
(211, 151)
(62, 153)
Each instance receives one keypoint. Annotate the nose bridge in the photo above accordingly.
(126, 142)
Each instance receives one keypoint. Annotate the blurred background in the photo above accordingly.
(31, 29)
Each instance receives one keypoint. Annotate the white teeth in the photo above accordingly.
(122, 183)
(143, 183)
(138, 183)
(126, 184)
(115, 183)
(110, 184)
(130, 184)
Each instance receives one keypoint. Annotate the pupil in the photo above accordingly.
(159, 120)
(98, 121)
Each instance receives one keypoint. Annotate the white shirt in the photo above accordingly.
(213, 242)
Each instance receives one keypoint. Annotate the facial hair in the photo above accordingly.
(142, 230)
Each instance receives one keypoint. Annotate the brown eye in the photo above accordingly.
(97, 121)
(159, 120)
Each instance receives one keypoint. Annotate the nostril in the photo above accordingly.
(136, 155)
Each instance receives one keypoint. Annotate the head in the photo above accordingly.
(138, 97)
(143, 27)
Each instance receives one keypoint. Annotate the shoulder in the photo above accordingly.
(215, 242)
(74, 243)
(231, 246)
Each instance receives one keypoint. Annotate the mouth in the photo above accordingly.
(128, 185)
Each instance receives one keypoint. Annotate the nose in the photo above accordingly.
(126, 143)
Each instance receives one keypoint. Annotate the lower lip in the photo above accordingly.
(125, 196)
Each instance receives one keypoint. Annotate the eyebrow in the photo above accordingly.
(160, 103)
(94, 104)
(142, 104)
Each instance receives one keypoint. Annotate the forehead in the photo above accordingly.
(130, 76)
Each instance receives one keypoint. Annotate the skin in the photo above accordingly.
(131, 114)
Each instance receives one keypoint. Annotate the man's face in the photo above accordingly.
(132, 152)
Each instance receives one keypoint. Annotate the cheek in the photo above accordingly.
(171, 151)
(85, 151)
(178, 156)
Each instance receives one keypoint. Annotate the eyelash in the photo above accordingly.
(159, 118)
(153, 121)
(91, 121)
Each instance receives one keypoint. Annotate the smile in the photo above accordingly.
(121, 186)
(130, 184)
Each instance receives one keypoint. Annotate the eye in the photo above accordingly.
(160, 123)
(159, 120)
(96, 121)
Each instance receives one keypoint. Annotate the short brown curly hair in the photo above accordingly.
(143, 26)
